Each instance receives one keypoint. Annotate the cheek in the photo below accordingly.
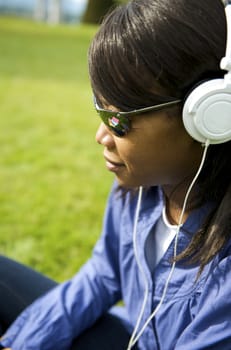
(159, 151)
(161, 160)
(146, 163)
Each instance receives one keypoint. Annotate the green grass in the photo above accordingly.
(53, 181)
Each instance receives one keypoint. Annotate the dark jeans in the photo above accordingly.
(20, 286)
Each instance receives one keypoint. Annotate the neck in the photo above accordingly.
(174, 198)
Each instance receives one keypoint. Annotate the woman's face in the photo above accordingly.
(156, 151)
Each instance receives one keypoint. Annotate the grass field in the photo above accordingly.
(53, 181)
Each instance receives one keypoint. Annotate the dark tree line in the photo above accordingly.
(97, 9)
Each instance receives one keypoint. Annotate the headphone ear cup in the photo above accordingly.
(207, 112)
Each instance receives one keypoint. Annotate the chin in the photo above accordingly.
(129, 183)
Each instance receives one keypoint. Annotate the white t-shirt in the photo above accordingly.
(159, 240)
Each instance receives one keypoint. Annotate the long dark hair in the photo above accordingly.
(149, 51)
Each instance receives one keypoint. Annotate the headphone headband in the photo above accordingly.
(207, 109)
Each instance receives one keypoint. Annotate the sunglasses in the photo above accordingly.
(119, 122)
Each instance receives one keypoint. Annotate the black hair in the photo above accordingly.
(149, 51)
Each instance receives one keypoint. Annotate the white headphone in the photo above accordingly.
(207, 109)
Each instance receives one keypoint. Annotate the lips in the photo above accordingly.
(113, 165)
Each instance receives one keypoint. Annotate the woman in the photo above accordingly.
(165, 247)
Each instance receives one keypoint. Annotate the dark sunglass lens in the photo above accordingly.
(117, 132)
(119, 125)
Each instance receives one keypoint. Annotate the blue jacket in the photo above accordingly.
(194, 315)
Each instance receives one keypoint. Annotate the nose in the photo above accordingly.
(104, 137)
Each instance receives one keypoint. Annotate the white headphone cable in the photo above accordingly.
(134, 237)
(134, 338)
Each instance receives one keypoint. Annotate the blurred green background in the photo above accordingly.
(53, 181)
